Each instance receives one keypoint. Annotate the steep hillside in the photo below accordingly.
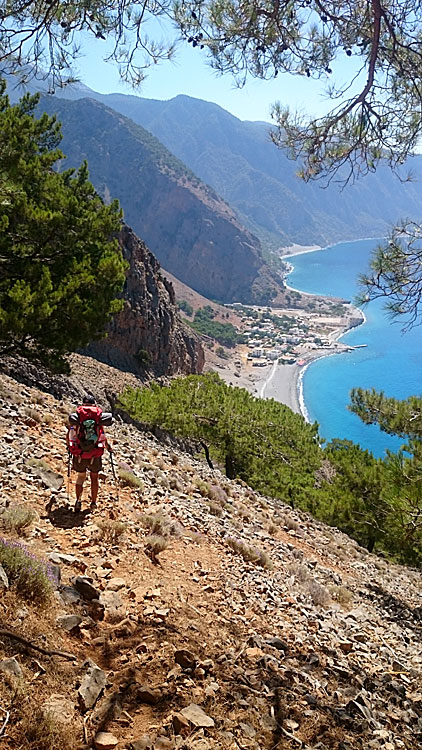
(238, 160)
(254, 627)
(190, 229)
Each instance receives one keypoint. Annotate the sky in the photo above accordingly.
(190, 74)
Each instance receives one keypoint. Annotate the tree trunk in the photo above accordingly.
(230, 466)
(207, 454)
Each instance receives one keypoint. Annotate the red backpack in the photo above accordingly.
(86, 433)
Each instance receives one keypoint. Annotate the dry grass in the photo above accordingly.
(33, 414)
(110, 530)
(319, 595)
(249, 553)
(42, 731)
(18, 519)
(130, 479)
(38, 463)
(341, 594)
(155, 522)
(215, 509)
(154, 545)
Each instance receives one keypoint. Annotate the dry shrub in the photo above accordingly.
(156, 522)
(341, 594)
(33, 414)
(249, 553)
(110, 530)
(203, 487)
(154, 544)
(215, 509)
(174, 459)
(319, 594)
(272, 529)
(300, 573)
(130, 479)
(290, 523)
(42, 731)
(218, 495)
(18, 519)
(175, 484)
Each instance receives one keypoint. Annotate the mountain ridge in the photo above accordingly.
(191, 230)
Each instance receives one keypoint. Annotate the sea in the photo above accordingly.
(390, 362)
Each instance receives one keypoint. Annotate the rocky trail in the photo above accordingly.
(191, 611)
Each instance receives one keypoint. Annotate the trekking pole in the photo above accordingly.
(68, 475)
(110, 453)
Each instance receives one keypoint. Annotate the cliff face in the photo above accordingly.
(192, 231)
(148, 332)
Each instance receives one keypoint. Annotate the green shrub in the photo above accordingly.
(31, 577)
(185, 306)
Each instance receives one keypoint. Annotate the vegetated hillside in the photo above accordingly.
(239, 161)
(191, 611)
(188, 227)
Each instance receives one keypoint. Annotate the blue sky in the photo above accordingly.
(190, 74)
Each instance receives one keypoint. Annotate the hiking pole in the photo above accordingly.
(110, 453)
(68, 475)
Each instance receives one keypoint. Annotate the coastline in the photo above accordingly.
(281, 381)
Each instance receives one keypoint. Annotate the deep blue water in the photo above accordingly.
(391, 362)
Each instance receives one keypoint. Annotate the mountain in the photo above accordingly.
(241, 163)
(191, 230)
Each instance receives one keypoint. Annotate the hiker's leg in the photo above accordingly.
(94, 487)
(79, 485)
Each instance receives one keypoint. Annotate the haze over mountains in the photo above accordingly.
(191, 226)
(190, 229)
(240, 162)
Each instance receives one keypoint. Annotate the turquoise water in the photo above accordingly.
(391, 362)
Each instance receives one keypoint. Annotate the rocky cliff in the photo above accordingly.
(192, 231)
(147, 333)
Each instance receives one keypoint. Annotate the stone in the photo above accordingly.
(70, 595)
(60, 557)
(180, 724)
(143, 743)
(93, 683)
(11, 666)
(278, 644)
(115, 584)
(197, 716)
(105, 741)
(163, 743)
(185, 658)
(69, 622)
(148, 695)
(85, 587)
(4, 581)
(59, 708)
(112, 603)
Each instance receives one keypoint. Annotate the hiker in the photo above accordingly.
(86, 441)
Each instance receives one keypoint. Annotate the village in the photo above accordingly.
(290, 336)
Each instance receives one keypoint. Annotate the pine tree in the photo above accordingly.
(61, 267)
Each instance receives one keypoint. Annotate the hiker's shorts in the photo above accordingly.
(94, 465)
